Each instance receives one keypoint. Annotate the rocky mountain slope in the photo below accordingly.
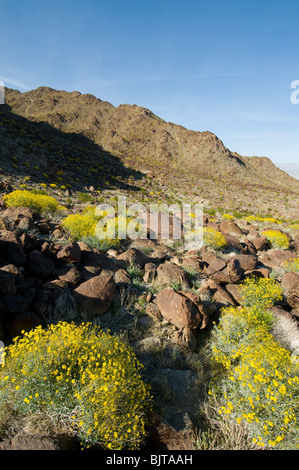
(129, 140)
(161, 299)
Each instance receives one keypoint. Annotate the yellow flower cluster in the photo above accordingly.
(213, 239)
(260, 292)
(39, 202)
(89, 380)
(277, 239)
(85, 224)
(292, 265)
(255, 218)
(259, 380)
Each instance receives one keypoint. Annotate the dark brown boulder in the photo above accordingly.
(40, 264)
(96, 294)
(23, 321)
(168, 273)
(178, 309)
(247, 262)
(135, 256)
(230, 227)
(70, 253)
(11, 249)
(234, 270)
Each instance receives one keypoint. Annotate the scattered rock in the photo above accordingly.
(168, 273)
(178, 309)
(70, 253)
(40, 264)
(135, 256)
(37, 442)
(96, 294)
(230, 227)
(162, 436)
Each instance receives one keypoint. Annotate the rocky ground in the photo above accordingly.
(161, 299)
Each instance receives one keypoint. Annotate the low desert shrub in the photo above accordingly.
(81, 378)
(260, 385)
(213, 239)
(257, 383)
(85, 224)
(277, 239)
(260, 292)
(292, 265)
(40, 202)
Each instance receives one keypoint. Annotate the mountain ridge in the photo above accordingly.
(196, 164)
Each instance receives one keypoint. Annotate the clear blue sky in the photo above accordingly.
(222, 66)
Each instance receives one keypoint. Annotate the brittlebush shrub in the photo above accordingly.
(292, 265)
(79, 377)
(39, 202)
(277, 239)
(213, 239)
(258, 383)
(260, 292)
(81, 225)
(85, 225)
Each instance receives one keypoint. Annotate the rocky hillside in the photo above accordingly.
(97, 140)
(163, 301)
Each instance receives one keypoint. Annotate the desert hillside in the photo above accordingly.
(161, 157)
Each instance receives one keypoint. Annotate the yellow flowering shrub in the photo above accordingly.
(39, 202)
(255, 218)
(82, 378)
(258, 384)
(260, 292)
(213, 238)
(85, 225)
(80, 225)
(277, 239)
(227, 216)
(292, 265)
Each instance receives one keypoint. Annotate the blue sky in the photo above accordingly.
(223, 66)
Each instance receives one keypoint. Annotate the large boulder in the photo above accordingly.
(69, 253)
(290, 285)
(230, 227)
(247, 262)
(40, 264)
(168, 273)
(178, 309)
(135, 256)
(96, 294)
(11, 250)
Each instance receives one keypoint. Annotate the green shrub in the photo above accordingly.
(100, 245)
(39, 202)
(82, 379)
